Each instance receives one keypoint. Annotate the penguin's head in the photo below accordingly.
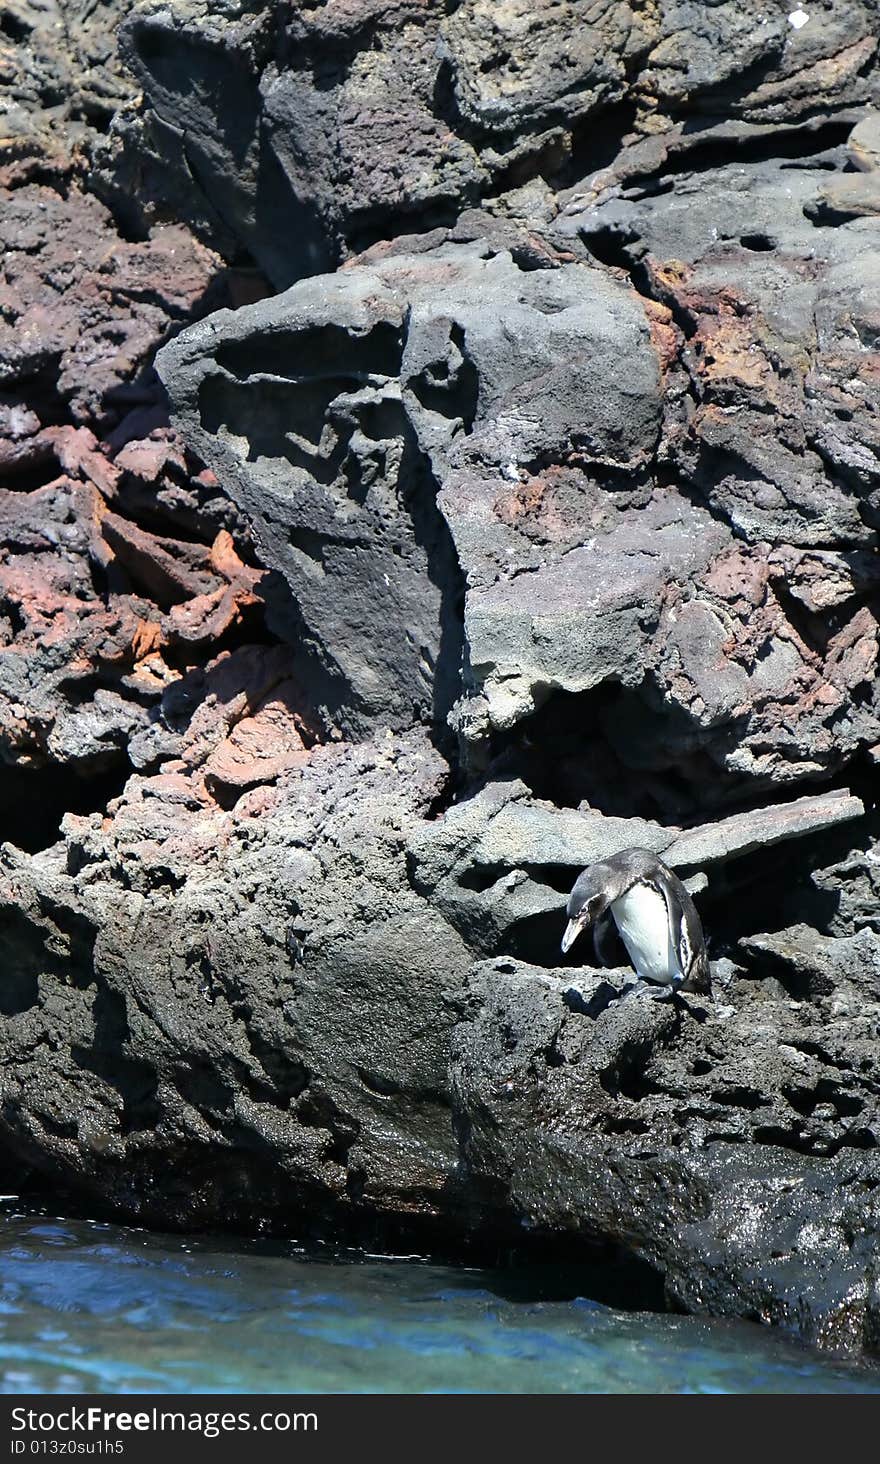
(592, 894)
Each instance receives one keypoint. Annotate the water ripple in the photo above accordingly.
(101, 1309)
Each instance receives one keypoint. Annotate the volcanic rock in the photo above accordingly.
(306, 134)
(562, 1089)
(534, 520)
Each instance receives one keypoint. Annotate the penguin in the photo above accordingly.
(654, 913)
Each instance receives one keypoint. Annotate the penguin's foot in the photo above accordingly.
(650, 991)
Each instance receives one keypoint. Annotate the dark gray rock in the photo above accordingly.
(302, 415)
(166, 1052)
(774, 352)
(333, 412)
(307, 133)
(685, 1136)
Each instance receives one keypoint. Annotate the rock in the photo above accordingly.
(239, 722)
(367, 556)
(562, 437)
(576, 618)
(743, 833)
(863, 143)
(83, 304)
(341, 123)
(84, 586)
(420, 110)
(58, 635)
(568, 589)
(161, 486)
(741, 61)
(687, 1141)
(755, 426)
(500, 864)
(844, 969)
(420, 360)
(845, 882)
(83, 593)
(852, 196)
(100, 617)
(17, 421)
(760, 342)
(182, 1025)
(59, 81)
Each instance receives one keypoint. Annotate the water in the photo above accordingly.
(98, 1308)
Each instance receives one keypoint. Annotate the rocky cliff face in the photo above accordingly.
(517, 504)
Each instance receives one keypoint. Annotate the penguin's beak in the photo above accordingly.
(572, 931)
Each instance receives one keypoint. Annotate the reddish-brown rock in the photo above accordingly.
(82, 306)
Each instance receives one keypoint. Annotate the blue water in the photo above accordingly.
(99, 1308)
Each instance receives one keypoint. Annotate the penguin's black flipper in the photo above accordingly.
(686, 934)
(606, 941)
(700, 979)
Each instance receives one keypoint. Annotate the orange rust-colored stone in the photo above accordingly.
(665, 336)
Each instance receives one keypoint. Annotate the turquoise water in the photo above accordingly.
(99, 1308)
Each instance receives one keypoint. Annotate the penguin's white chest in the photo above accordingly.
(640, 916)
